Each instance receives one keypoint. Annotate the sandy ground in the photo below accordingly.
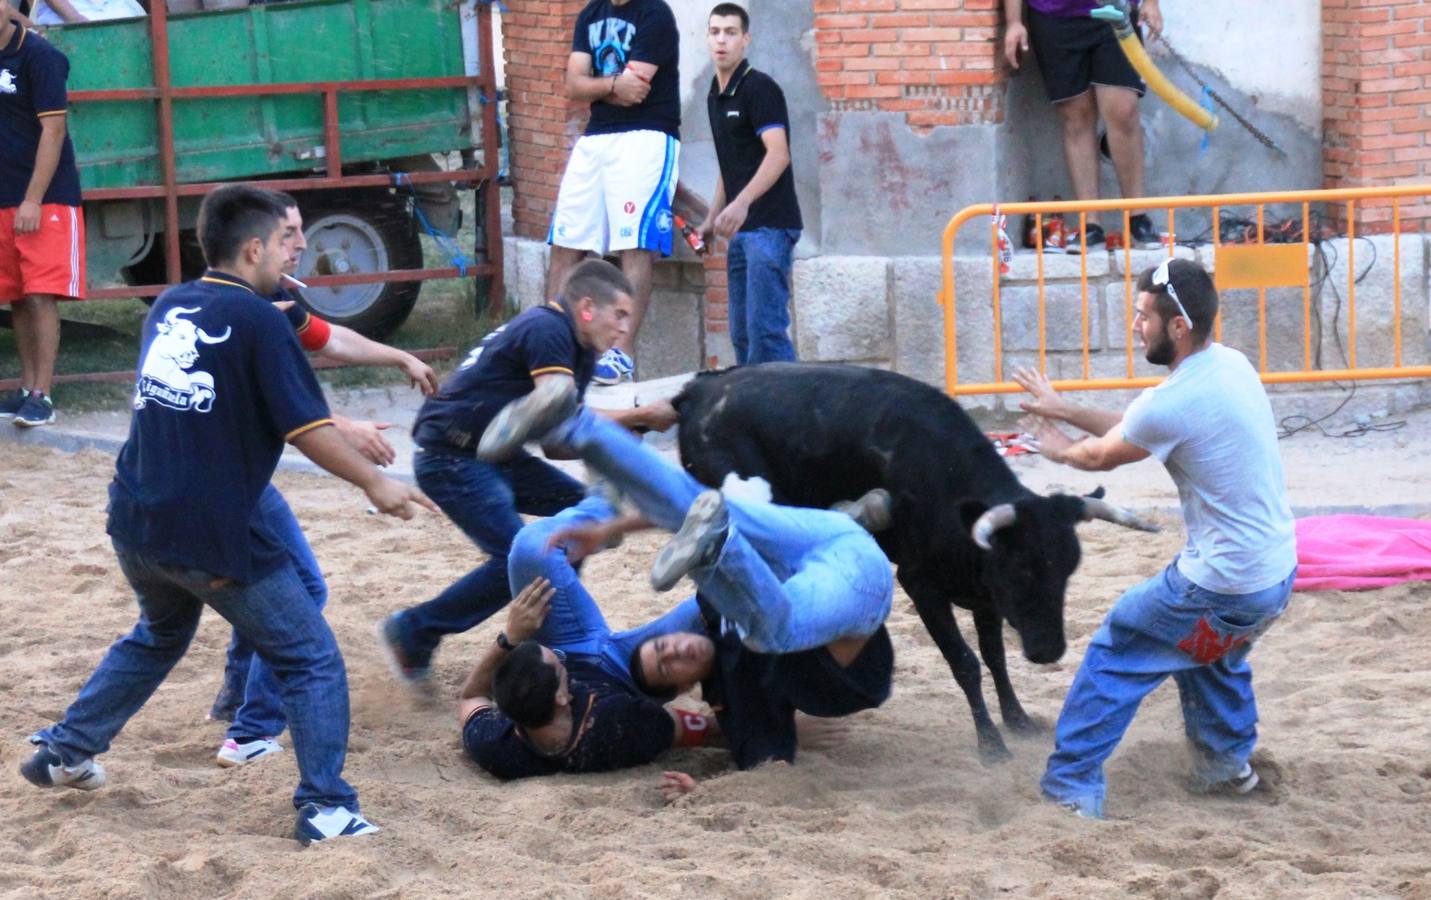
(900, 808)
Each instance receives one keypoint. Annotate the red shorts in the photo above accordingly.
(47, 261)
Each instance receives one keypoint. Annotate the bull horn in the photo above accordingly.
(177, 311)
(1094, 508)
(996, 517)
(203, 336)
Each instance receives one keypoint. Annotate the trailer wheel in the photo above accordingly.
(350, 238)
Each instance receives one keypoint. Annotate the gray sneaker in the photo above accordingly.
(550, 403)
(698, 542)
(871, 512)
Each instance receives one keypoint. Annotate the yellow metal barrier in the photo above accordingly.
(1258, 265)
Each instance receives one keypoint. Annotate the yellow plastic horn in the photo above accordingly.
(1116, 14)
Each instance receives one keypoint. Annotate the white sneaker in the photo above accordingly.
(319, 824)
(232, 753)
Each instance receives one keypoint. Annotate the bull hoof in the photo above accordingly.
(992, 751)
(1025, 725)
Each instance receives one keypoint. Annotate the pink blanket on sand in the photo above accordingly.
(1357, 553)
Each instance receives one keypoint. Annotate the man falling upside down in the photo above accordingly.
(794, 600)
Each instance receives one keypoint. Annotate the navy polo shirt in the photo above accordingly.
(636, 31)
(612, 728)
(222, 385)
(501, 368)
(752, 104)
(32, 87)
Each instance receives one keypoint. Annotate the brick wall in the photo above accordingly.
(542, 124)
(1376, 85)
(936, 61)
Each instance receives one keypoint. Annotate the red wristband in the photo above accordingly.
(692, 729)
(315, 334)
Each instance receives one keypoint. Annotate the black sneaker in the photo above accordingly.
(1142, 235)
(226, 703)
(697, 543)
(872, 511)
(11, 404)
(1091, 238)
(550, 403)
(46, 769)
(405, 665)
(37, 409)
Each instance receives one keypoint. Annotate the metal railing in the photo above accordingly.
(1257, 264)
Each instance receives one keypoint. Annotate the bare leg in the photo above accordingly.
(37, 336)
(1119, 107)
(562, 261)
(1079, 118)
(636, 264)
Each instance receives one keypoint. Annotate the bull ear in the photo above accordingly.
(1096, 493)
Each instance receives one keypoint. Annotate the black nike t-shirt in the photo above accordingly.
(636, 31)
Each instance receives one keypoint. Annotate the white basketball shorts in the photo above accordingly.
(616, 193)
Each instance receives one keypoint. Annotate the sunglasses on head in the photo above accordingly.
(1162, 279)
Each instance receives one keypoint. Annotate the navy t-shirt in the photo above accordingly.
(636, 31)
(32, 87)
(502, 367)
(222, 385)
(612, 728)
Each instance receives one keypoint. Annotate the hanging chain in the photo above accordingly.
(1187, 67)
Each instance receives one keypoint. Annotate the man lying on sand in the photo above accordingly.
(794, 600)
(556, 693)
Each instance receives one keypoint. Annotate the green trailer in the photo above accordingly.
(371, 112)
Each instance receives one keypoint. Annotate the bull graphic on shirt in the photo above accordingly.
(7, 82)
(165, 377)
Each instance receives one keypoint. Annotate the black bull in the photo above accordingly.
(965, 532)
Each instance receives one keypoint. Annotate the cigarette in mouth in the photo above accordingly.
(295, 281)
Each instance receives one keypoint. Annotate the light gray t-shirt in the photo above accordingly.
(1212, 426)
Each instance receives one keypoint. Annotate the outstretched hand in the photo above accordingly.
(815, 733)
(675, 785)
(1052, 440)
(393, 498)
(1045, 401)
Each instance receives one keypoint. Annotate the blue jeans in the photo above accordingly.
(245, 673)
(575, 624)
(1165, 626)
(758, 287)
(788, 578)
(275, 614)
(486, 501)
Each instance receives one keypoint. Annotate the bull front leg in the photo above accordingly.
(989, 625)
(937, 612)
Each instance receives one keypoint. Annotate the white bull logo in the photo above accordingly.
(165, 377)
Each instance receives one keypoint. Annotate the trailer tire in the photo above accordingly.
(348, 235)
